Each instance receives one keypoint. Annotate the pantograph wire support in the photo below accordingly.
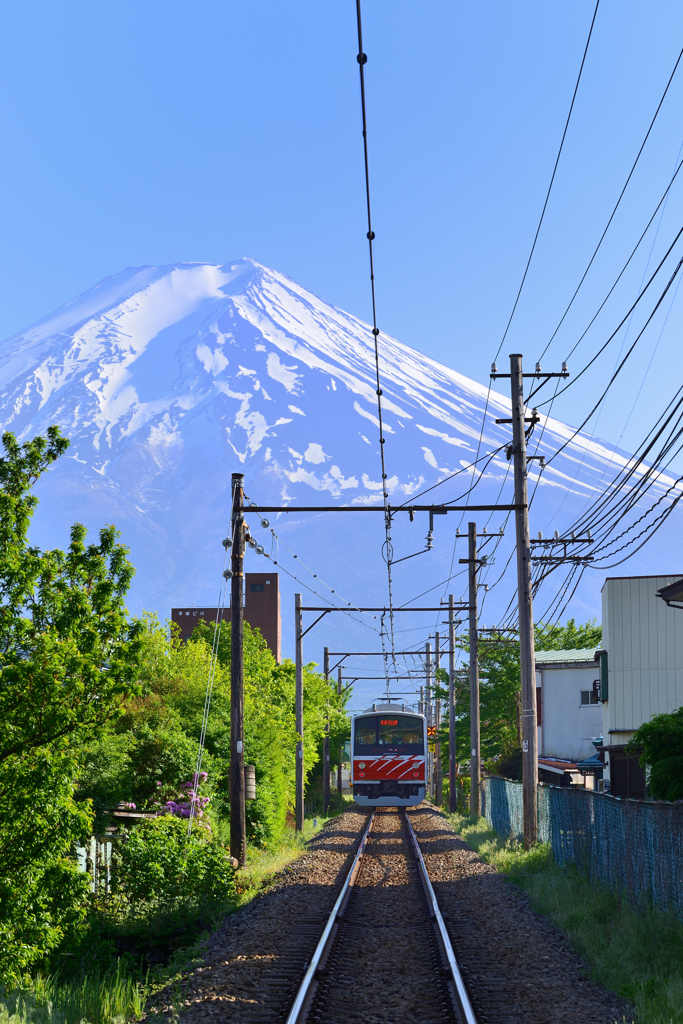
(362, 60)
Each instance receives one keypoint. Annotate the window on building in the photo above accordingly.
(589, 697)
(256, 588)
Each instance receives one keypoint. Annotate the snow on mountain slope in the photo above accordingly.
(167, 379)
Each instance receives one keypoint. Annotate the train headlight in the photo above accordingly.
(361, 764)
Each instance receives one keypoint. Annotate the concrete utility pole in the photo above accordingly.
(299, 713)
(428, 702)
(475, 733)
(326, 739)
(452, 763)
(341, 749)
(437, 722)
(526, 616)
(238, 823)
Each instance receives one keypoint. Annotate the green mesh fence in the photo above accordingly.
(631, 846)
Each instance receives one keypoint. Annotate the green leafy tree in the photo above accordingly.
(661, 742)
(68, 661)
(153, 746)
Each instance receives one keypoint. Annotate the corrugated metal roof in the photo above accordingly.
(583, 654)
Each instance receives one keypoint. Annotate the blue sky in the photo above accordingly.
(158, 132)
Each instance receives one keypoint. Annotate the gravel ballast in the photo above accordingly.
(518, 968)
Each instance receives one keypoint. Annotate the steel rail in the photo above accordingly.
(300, 1006)
(464, 1005)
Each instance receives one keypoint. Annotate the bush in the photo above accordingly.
(661, 742)
(159, 862)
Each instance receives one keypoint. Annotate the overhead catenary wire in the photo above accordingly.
(362, 60)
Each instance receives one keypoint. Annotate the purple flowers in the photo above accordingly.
(188, 802)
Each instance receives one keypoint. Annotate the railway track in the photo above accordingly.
(384, 953)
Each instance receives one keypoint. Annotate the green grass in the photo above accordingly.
(635, 953)
(96, 999)
(263, 865)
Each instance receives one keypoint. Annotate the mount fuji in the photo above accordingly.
(168, 379)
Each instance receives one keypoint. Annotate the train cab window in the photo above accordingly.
(385, 734)
(365, 731)
(399, 730)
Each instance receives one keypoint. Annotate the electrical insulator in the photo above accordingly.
(252, 542)
(538, 367)
(430, 540)
(494, 368)
(227, 543)
(484, 531)
(564, 368)
(573, 534)
(265, 523)
(227, 574)
(540, 535)
(260, 550)
(590, 535)
(557, 535)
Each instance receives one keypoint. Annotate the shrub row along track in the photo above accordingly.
(385, 954)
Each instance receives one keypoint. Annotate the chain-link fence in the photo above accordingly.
(631, 846)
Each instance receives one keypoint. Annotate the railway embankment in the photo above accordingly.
(252, 965)
(633, 950)
(516, 964)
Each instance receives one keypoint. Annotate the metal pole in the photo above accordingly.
(475, 736)
(341, 749)
(238, 822)
(437, 722)
(452, 764)
(428, 701)
(299, 712)
(526, 616)
(326, 738)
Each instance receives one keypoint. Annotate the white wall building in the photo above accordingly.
(568, 704)
(641, 669)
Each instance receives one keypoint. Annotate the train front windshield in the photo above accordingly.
(388, 734)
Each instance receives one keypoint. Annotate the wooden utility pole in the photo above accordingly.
(437, 722)
(428, 702)
(326, 738)
(238, 823)
(299, 713)
(475, 733)
(341, 748)
(526, 617)
(452, 763)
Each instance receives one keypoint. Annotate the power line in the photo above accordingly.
(616, 207)
(621, 323)
(622, 363)
(552, 179)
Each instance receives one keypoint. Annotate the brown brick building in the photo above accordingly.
(261, 610)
